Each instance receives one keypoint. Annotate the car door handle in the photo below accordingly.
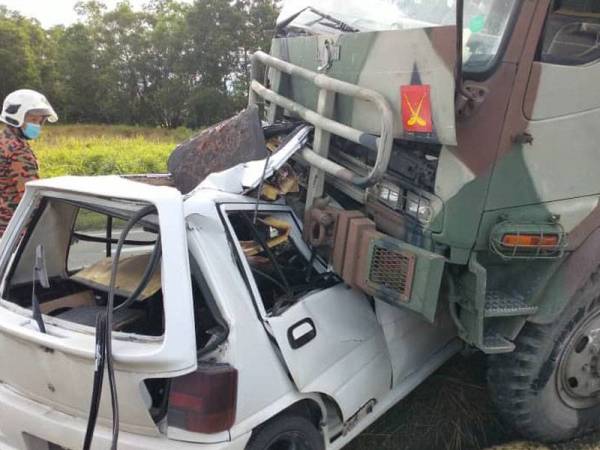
(301, 333)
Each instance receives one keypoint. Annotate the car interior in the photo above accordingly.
(80, 241)
(282, 272)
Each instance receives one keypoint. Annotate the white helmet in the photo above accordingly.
(23, 101)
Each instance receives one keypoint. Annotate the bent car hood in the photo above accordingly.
(247, 176)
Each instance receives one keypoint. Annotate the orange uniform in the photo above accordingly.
(18, 165)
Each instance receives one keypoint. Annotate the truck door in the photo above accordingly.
(328, 334)
(561, 110)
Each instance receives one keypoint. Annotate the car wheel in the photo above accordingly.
(287, 432)
(548, 389)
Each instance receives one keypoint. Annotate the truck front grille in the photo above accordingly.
(392, 270)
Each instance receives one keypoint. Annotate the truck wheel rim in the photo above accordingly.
(291, 440)
(578, 381)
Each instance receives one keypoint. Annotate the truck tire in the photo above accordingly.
(287, 432)
(548, 389)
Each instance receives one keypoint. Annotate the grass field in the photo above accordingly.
(450, 411)
(103, 150)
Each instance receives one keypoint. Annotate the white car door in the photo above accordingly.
(329, 337)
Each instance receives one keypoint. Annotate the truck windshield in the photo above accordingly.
(486, 21)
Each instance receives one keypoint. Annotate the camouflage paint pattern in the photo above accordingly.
(383, 61)
(18, 165)
(553, 176)
(526, 154)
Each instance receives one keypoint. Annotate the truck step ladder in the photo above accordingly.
(500, 304)
(494, 343)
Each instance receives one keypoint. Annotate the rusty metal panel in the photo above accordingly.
(387, 220)
(356, 228)
(232, 142)
(341, 238)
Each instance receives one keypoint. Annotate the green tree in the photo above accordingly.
(167, 84)
(223, 34)
(22, 45)
(78, 75)
(171, 64)
(260, 16)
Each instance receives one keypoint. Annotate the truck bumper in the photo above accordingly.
(28, 425)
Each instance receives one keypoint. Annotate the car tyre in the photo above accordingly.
(548, 389)
(287, 432)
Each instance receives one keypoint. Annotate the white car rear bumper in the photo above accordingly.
(27, 425)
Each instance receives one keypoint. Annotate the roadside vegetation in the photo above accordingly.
(174, 63)
(451, 410)
(105, 150)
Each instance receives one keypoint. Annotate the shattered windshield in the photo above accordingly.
(486, 21)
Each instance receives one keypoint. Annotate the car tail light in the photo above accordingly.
(204, 401)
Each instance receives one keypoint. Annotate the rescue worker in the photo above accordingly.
(24, 112)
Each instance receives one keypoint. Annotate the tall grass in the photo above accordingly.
(104, 150)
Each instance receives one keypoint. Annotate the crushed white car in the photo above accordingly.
(238, 336)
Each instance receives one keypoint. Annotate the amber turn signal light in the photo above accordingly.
(530, 240)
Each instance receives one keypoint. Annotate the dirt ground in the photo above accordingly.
(451, 411)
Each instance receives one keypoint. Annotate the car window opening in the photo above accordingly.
(282, 272)
(79, 242)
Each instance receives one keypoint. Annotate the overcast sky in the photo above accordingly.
(54, 12)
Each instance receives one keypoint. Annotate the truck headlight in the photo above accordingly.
(418, 207)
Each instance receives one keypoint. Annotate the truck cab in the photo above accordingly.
(445, 127)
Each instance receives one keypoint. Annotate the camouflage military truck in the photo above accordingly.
(460, 171)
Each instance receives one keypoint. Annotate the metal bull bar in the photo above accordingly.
(382, 145)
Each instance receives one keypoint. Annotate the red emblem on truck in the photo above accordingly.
(416, 108)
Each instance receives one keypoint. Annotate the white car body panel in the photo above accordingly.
(411, 340)
(264, 387)
(248, 175)
(348, 358)
(58, 370)
(27, 425)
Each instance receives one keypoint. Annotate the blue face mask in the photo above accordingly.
(32, 131)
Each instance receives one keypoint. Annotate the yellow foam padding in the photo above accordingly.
(252, 248)
(129, 275)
